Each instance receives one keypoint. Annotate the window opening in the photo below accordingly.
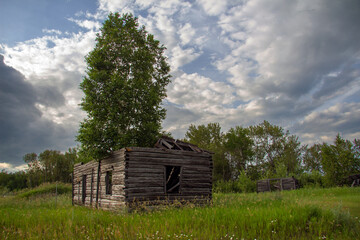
(108, 182)
(173, 177)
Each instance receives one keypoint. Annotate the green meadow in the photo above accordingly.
(331, 213)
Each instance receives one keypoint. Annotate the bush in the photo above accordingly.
(223, 187)
(313, 179)
(245, 184)
(242, 185)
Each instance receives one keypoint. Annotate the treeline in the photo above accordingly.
(48, 166)
(244, 155)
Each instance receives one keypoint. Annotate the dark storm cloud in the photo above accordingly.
(50, 96)
(22, 128)
(342, 118)
(338, 83)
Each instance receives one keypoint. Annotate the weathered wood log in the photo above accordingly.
(140, 173)
(138, 151)
(136, 161)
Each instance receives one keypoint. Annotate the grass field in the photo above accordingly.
(301, 214)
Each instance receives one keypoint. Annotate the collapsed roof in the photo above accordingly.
(169, 143)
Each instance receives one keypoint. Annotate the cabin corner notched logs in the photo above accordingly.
(143, 175)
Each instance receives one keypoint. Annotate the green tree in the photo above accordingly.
(126, 82)
(56, 165)
(50, 166)
(312, 158)
(275, 149)
(339, 160)
(239, 148)
(34, 171)
(12, 181)
(291, 155)
(211, 138)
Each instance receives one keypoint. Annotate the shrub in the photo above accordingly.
(245, 184)
(223, 186)
(311, 180)
(242, 185)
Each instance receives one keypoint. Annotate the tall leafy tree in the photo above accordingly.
(126, 82)
(238, 146)
(291, 154)
(340, 160)
(50, 166)
(312, 158)
(34, 171)
(275, 149)
(211, 138)
(268, 144)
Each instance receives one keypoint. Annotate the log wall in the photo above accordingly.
(145, 175)
(138, 176)
(116, 164)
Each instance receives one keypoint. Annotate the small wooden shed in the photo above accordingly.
(273, 184)
(144, 175)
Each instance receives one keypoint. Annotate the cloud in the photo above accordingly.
(36, 58)
(178, 119)
(213, 7)
(283, 53)
(288, 47)
(196, 92)
(23, 128)
(52, 31)
(11, 168)
(87, 24)
(115, 5)
(341, 118)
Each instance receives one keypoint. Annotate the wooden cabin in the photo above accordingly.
(277, 184)
(148, 176)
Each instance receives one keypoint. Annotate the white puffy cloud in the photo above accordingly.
(88, 24)
(213, 7)
(194, 91)
(36, 58)
(115, 5)
(187, 33)
(179, 57)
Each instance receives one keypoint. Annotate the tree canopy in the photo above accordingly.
(211, 138)
(126, 82)
(241, 156)
(268, 151)
(339, 160)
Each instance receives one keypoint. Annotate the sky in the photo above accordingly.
(294, 63)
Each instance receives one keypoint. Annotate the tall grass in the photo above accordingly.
(300, 214)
